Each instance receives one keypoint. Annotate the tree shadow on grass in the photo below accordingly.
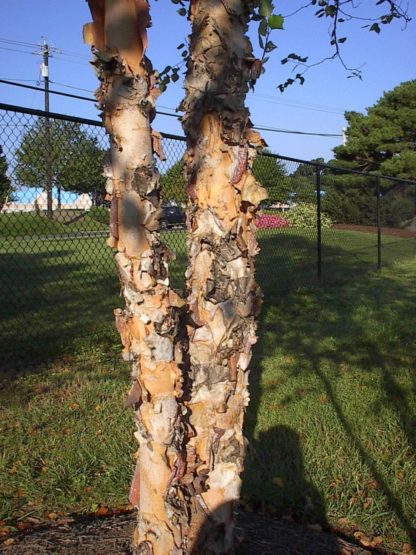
(52, 298)
(275, 453)
(370, 317)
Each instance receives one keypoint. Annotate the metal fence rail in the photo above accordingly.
(57, 277)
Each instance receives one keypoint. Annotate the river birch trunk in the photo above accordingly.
(148, 324)
(223, 296)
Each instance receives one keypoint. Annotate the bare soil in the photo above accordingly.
(263, 535)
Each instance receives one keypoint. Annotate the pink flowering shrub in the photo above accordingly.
(265, 221)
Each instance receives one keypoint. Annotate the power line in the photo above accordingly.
(66, 55)
(15, 50)
(293, 103)
(59, 93)
(18, 43)
(260, 128)
(8, 79)
(69, 61)
(72, 87)
(273, 129)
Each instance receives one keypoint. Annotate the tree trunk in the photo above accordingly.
(223, 296)
(149, 323)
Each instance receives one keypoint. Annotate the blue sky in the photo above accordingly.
(317, 106)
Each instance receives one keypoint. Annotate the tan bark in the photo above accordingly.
(149, 322)
(223, 296)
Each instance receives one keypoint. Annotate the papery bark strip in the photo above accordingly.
(148, 324)
(223, 296)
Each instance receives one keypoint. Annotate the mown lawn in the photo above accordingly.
(30, 224)
(333, 414)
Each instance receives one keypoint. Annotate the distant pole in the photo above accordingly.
(344, 136)
(318, 222)
(378, 193)
(48, 153)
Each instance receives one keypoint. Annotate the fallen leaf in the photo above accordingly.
(4, 531)
(102, 511)
(9, 541)
(367, 502)
(373, 484)
(277, 481)
(363, 539)
(52, 516)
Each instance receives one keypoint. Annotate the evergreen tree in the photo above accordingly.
(382, 141)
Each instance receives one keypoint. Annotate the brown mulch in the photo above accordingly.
(263, 535)
(406, 233)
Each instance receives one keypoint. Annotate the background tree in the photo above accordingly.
(173, 184)
(76, 159)
(382, 141)
(6, 189)
(271, 174)
(303, 182)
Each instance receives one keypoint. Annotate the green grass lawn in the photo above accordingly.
(332, 419)
(31, 224)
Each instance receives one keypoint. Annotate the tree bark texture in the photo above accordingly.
(149, 322)
(223, 296)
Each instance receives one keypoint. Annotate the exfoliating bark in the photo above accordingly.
(149, 322)
(223, 296)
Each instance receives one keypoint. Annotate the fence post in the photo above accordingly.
(378, 194)
(318, 221)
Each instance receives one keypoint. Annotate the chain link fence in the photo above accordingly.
(58, 279)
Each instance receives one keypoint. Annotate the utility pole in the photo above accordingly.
(45, 51)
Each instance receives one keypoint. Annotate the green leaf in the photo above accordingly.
(263, 28)
(330, 11)
(266, 8)
(276, 22)
(270, 46)
(375, 27)
(182, 11)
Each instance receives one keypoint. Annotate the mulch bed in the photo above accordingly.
(263, 535)
(406, 233)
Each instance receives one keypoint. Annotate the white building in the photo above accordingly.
(82, 202)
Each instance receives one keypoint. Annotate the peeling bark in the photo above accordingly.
(149, 322)
(223, 296)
